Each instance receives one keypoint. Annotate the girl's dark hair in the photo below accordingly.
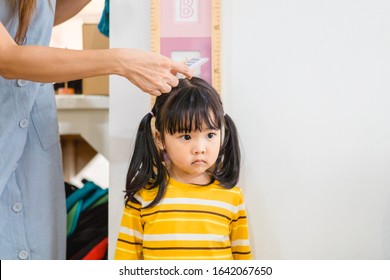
(189, 105)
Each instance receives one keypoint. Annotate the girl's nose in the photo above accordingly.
(199, 148)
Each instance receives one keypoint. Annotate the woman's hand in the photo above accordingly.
(151, 72)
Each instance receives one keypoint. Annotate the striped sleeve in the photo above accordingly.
(239, 236)
(129, 244)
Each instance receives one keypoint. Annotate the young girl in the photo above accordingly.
(181, 198)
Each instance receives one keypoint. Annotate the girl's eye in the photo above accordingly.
(210, 135)
(186, 137)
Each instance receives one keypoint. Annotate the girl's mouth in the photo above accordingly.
(199, 161)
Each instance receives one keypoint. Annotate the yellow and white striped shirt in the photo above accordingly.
(190, 223)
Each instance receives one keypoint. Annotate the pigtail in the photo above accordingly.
(146, 160)
(227, 166)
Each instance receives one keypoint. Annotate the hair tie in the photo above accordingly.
(151, 113)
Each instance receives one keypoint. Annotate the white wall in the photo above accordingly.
(307, 82)
(129, 27)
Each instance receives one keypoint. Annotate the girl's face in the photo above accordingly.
(191, 154)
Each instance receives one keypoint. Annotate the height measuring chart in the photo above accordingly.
(189, 30)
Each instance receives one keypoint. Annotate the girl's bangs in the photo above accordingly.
(191, 112)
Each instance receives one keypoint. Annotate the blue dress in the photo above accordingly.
(32, 192)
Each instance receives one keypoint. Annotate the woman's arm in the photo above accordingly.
(151, 72)
(66, 9)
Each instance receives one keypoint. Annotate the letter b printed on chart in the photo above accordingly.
(187, 10)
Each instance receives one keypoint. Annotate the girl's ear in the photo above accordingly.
(159, 142)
